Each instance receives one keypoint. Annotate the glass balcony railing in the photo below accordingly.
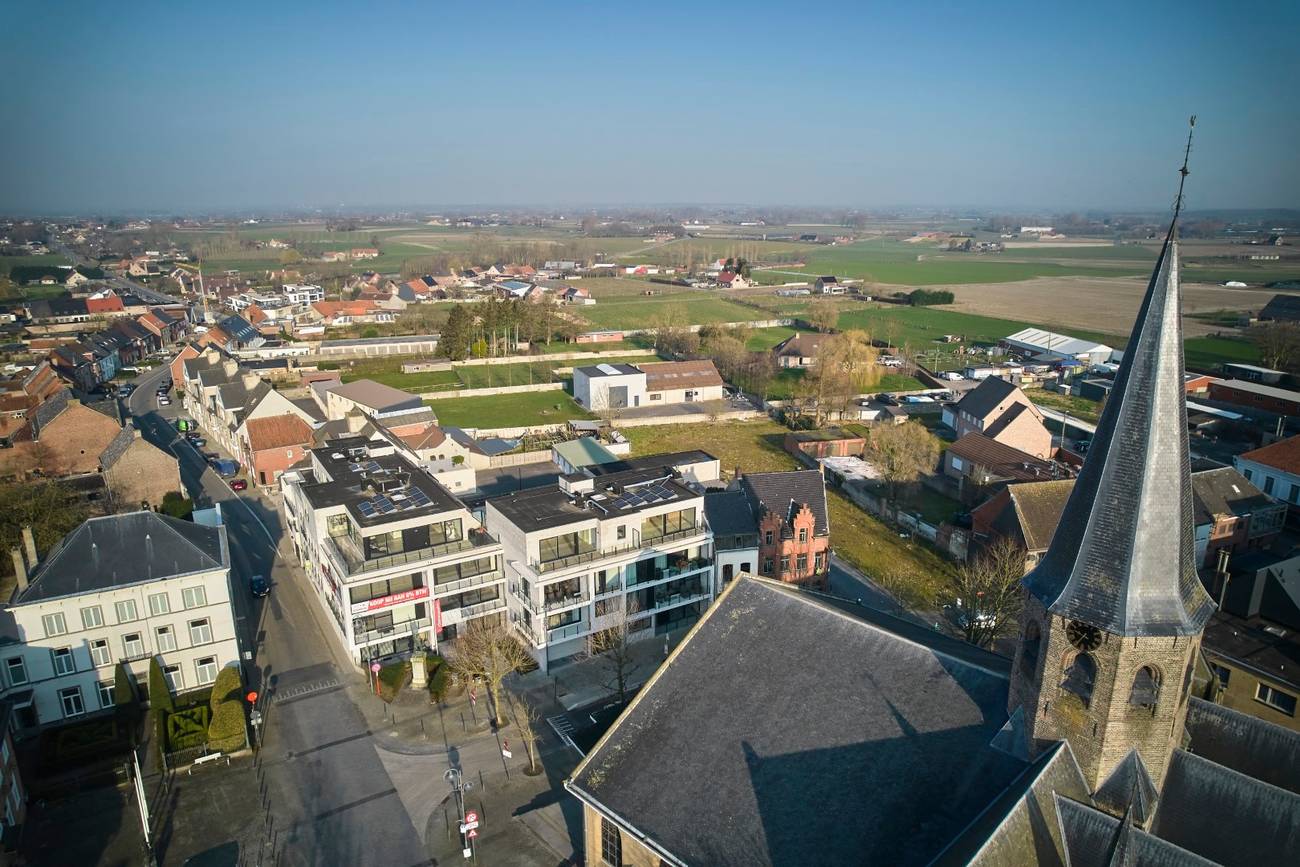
(397, 630)
(356, 563)
(635, 542)
(667, 574)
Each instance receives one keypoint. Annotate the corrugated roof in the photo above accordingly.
(680, 374)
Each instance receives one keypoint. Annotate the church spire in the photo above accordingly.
(1123, 557)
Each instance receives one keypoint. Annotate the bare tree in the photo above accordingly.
(823, 315)
(1279, 345)
(488, 652)
(527, 720)
(901, 453)
(985, 592)
(846, 366)
(612, 646)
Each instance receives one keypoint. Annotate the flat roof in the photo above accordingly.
(1257, 388)
(375, 487)
(616, 494)
(598, 370)
(670, 459)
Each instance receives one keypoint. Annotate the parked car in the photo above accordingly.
(259, 586)
(890, 361)
(125, 390)
(164, 400)
(211, 457)
(238, 485)
(951, 376)
(198, 442)
(887, 399)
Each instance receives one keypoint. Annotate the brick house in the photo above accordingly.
(799, 350)
(1000, 411)
(793, 525)
(138, 472)
(1275, 470)
(275, 443)
(829, 443)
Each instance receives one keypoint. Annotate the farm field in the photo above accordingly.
(919, 327)
(516, 410)
(8, 263)
(1107, 305)
(647, 312)
(526, 372)
(889, 261)
(906, 567)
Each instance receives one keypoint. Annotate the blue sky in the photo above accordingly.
(190, 107)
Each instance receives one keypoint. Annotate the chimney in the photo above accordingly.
(230, 367)
(29, 542)
(250, 380)
(20, 569)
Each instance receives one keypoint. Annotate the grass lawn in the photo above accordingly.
(763, 339)
(9, 262)
(389, 372)
(934, 507)
(1208, 353)
(647, 311)
(515, 410)
(907, 567)
(1074, 406)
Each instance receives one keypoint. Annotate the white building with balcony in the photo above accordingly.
(590, 553)
(118, 589)
(396, 561)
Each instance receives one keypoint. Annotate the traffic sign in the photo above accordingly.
(252, 697)
(467, 827)
(374, 667)
(472, 834)
(471, 816)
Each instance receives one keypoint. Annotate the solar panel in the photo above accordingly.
(383, 505)
(366, 510)
(418, 498)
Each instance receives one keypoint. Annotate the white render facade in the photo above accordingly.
(598, 565)
(393, 583)
(60, 652)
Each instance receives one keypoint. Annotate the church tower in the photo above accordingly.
(1114, 611)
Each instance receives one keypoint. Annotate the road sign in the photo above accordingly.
(374, 667)
(468, 827)
(252, 697)
(471, 816)
(472, 834)
(473, 697)
(507, 754)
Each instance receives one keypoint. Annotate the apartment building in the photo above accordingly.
(13, 794)
(587, 554)
(118, 589)
(222, 395)
(396, 561)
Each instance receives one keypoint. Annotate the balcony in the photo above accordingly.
(662, 602)
(567, 601)
(472, 581)
(562, 633)
(593, 556)
(676, 536)
(658, 575)
(354, 561)
(397, 630)
(523, 597)
(467, 612)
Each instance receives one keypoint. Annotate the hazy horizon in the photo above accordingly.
(153, 108)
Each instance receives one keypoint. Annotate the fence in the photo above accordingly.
(518, 459)
(486, 392)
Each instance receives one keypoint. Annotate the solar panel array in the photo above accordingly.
(371, 466)
(647, 496)
(394, 501)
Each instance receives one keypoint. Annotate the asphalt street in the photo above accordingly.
(326, 785)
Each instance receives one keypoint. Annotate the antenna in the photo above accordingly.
(1184, 171)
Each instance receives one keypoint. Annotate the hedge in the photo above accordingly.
(226, 687)
(439, 681)
(160, 695)
(188, 728)
(228, 731)
(392, 678)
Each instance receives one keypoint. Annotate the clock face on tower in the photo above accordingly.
(1084, 636)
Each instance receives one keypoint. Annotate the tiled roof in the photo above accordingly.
(1001, 460)
(783, 493)
(680, 374)
(729, 513)
(983, 398)
(1283, 455)
(802, 345)
(118, 447)
(277, 431)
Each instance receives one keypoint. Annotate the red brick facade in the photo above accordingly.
(792, 551)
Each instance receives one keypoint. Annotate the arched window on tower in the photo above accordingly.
(1146, 688)
(1029, 647)
(1080, 677)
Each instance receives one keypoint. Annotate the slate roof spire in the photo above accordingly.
(1123, 556)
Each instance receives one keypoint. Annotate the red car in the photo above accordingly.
(238, 485)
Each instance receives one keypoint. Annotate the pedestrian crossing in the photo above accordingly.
(305, 689)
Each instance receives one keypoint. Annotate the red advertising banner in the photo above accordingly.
(389, 601)
(437, 615)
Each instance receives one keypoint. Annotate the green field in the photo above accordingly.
(647, 312)
(920, 327)
(787, 381)
(1072, 405)
(890, 261)
(515, 410)
(907, 567)
(763, 339)
(389, 372)
(1206, 353)
(9, 262)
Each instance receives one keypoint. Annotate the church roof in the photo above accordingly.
(1246, 744)
(1090, 837)
(1129, 790)
(1123, 557)
(732, 754)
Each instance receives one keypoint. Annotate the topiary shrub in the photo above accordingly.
(226, 687)
(160, 695)
(188, 728)
(439, 683)
(228, 730)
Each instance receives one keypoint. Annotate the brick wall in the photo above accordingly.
(144, 474)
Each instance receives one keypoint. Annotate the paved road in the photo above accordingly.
(330, 792)
(153, 296)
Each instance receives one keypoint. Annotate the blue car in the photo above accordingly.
(259, 586)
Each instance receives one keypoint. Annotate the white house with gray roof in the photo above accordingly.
(118, 589)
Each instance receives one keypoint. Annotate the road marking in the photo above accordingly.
(563, 727)
(305, 689)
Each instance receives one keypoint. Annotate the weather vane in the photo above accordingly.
(1184, 171)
